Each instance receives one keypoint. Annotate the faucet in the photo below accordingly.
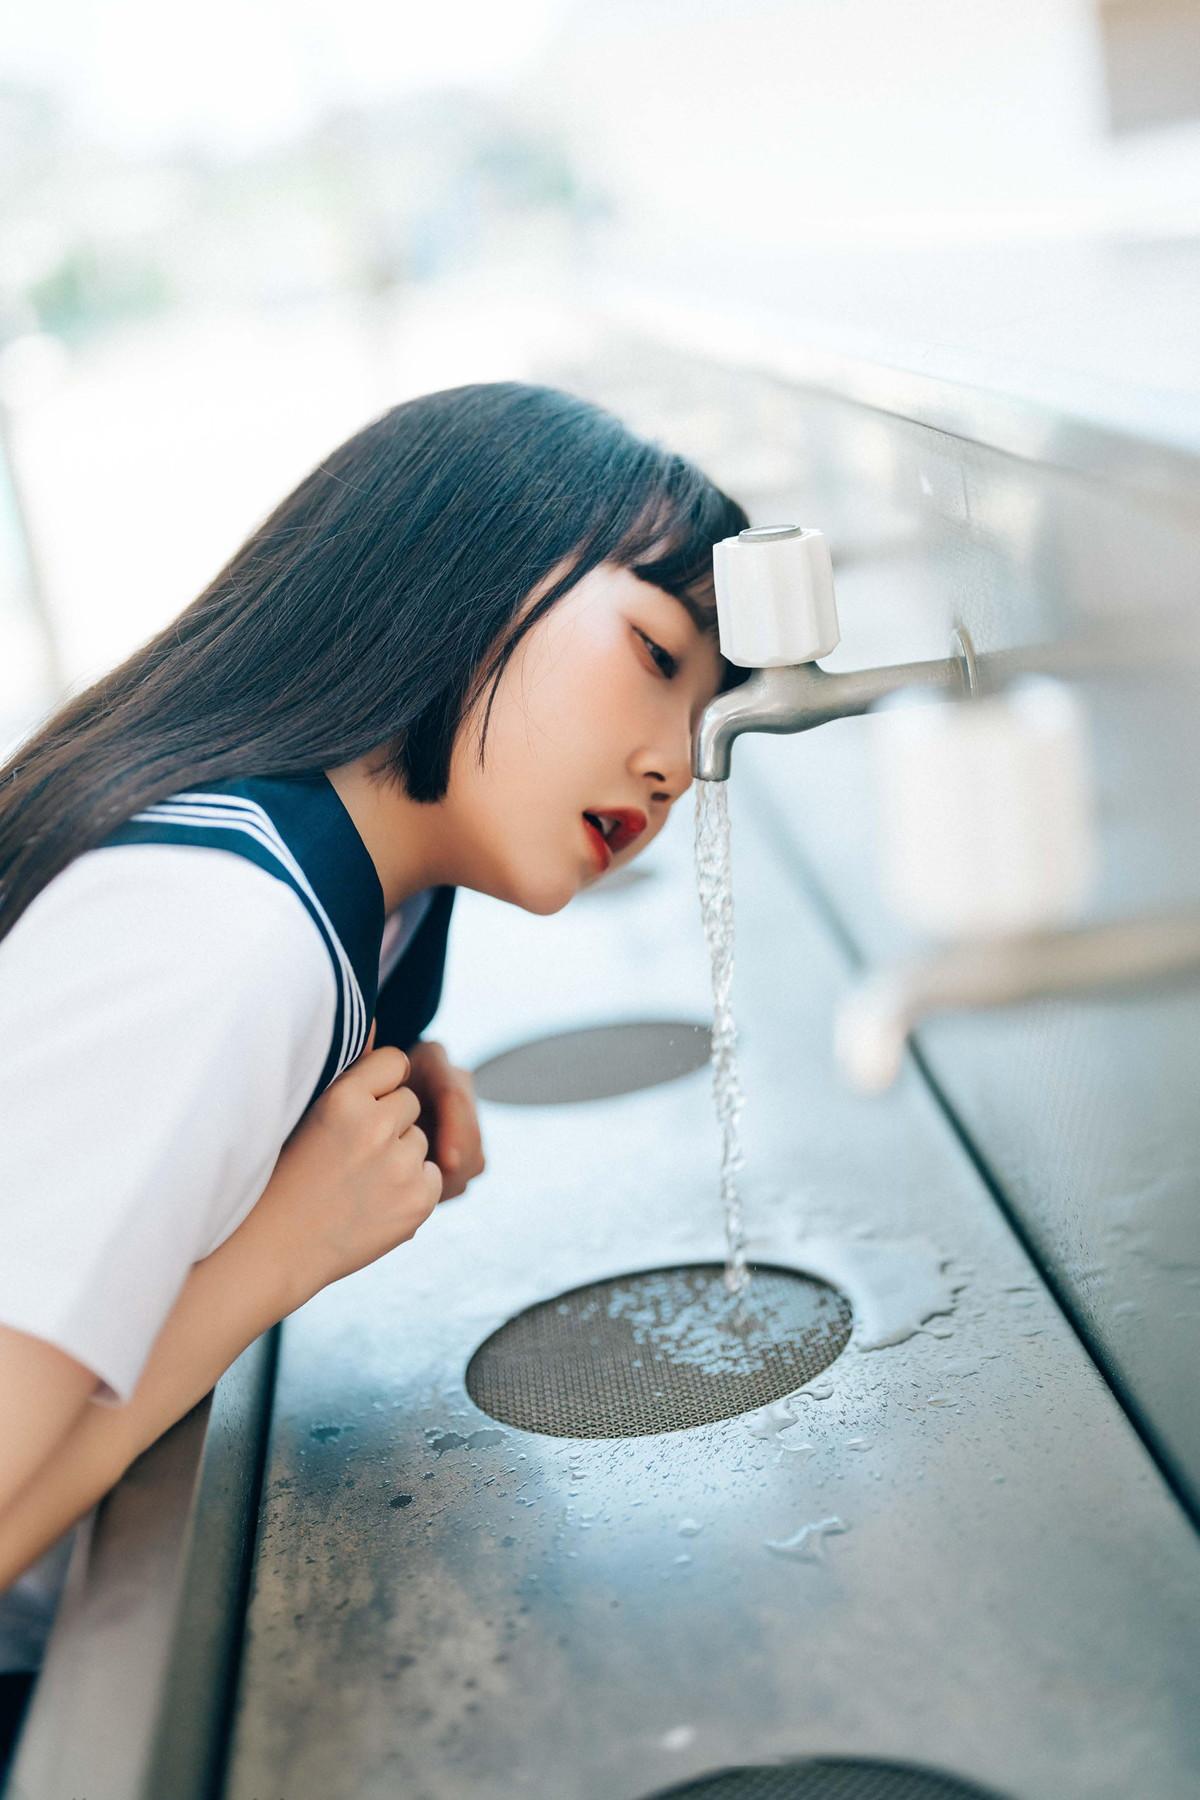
(776, 614)
(989, 837)
(802, 695)
(877, 1017)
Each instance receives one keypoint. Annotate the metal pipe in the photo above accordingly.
(874, 1022)
(798, 696)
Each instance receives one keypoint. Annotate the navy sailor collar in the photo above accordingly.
(298, 829)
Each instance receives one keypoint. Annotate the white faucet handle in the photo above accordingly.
(775, 604)
(987, 813)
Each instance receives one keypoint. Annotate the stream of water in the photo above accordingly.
(714, 878)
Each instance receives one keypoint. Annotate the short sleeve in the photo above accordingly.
(165, 1014)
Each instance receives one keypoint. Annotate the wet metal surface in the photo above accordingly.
(950, 1549)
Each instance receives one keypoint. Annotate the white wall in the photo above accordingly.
(742, 118)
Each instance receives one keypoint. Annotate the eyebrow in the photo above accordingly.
(704, 618)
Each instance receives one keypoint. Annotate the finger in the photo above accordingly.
(383, 1070)
(451, 1128)
(401, 1108)
(465, 1148)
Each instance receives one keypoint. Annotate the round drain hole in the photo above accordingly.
(831, 1778)
(594, 1063)
(662, 1350)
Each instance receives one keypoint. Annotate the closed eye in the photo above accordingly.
(668, 664)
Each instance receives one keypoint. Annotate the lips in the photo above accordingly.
(628, 824)
(600, 849)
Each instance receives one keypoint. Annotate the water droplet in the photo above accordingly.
(445, 1440)
(678, 1738)
(690, 1527)
(769, 1421)
(807, 1544)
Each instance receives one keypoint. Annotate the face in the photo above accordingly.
(595, 712)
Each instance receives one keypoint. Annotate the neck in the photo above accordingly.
(404, 838)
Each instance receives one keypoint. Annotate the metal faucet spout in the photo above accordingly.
(875, 1021)
(797, 696)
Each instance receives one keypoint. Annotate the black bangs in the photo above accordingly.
(671, 547)
(651, 511)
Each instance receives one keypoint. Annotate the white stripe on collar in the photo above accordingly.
(206, 810)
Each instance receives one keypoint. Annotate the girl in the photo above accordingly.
(226, 876)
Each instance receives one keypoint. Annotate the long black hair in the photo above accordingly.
(371, 608)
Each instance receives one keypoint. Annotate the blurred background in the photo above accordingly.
(232, 235)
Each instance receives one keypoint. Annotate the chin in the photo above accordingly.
(543, 894)
(545, 901)
(545, 890)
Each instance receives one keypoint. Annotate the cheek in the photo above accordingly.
(516, 819)
(556, 717)
(548, 728)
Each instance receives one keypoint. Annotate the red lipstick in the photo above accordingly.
(629, 824)
(599, 843)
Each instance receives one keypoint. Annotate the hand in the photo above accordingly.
(354, 1179)
(448, 1113)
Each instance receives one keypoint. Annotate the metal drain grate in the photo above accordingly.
(595, 1062)
(827, 1778)
(657, 1351)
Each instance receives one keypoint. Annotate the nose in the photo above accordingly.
(665, 762)
(671, 776)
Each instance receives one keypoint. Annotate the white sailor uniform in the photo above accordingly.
(167, 1015)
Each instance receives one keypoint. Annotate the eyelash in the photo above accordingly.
(653, 648)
